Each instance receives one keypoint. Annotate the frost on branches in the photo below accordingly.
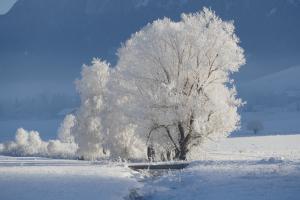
(88, 130)
(175, 76)
(100, 128)
(64, 131)
(29, 143)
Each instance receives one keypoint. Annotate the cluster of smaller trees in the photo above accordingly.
(29, 143)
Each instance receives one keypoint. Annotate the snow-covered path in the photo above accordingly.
(28, 179)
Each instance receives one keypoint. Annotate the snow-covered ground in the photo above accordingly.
(36, 178)
(243, 168)
(228, 180)
(254, 148)
(260, 168)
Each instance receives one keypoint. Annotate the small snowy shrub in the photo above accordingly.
(255, 126)
(63, 150)
(29, 143)
(127, 144)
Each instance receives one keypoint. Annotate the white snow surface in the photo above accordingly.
(254, 148)
(228, 180)
(47, 179)
(241, 168)
(245, 168)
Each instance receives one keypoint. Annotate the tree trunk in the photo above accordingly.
(182, 155)
(183, 142)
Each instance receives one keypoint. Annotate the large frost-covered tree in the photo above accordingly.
(88, 130)
(175, 80)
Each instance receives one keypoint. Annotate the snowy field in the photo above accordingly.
(243, 168)
(228, 180)
(255, 148)
(260, 168)
(36, 178)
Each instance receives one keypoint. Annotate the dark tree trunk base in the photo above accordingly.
(157, 166)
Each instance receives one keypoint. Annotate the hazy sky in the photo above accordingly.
(5, 5)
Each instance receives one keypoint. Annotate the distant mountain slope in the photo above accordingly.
(279, 89)
(278, 82)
